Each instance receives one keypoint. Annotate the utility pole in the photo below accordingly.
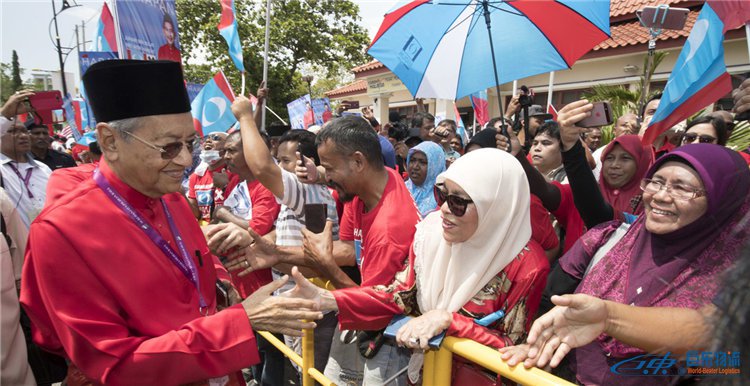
(83, 35)
(59, 49)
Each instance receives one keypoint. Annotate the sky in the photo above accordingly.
(25, 26)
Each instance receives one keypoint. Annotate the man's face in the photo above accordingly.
(339, 172)
(594, 139)
(16, 140)
(427, 126)
(287, 155)
(168, 30)
(235, 157)
(143, 167)
(626, 124)
(651, 107)
(545, 153)
(40, 138)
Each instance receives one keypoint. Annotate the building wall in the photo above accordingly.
(584, 74)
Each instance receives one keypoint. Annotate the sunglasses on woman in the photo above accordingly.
(691, 137)
(456, 204)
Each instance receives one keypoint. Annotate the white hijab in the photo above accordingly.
(449, 275)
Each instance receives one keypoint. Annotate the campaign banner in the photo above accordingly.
(322, 109)
(193, 89)
(148, 29)
(301, 115)
(87, 58)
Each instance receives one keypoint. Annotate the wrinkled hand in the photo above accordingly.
(279, 314)
(741, 97)
(401, 149)
(261, 253)
(511, 144)
(221, 179)
(16, 104)
(567, 117)
(242, 108)
(319, 247)
(513, 107)
(226, 236)
(417, 332)
(262, 92)
(576, 321)
(306, 170)
(514, 355)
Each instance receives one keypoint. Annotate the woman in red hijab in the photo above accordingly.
(624, 163)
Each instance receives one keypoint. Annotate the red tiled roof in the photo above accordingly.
(625, 7)
(351, 88)
(368, 66)
(632, 33)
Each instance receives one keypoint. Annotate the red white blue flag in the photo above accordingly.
(460, 128)
(211, 108)
(228, 29)
(699, 77)
(481, 108)
(104, 38)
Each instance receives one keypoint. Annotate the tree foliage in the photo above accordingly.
(321, 36)
(16, 82)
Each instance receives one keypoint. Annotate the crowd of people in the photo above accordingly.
(156, 256)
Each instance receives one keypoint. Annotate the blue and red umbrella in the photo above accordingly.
(444, 49)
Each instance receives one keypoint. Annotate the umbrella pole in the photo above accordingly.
(486, 7)
(265, 62)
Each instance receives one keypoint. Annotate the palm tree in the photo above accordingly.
(622, 99)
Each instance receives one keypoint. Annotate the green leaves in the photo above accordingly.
(320, 36)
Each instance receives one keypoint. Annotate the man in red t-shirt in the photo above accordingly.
(249, 205)
(376, 229)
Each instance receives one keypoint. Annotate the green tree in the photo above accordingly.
(323, 35)
(16, 82)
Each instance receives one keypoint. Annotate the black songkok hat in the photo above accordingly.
(120, 89)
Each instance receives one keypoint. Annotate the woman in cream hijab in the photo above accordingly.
(470, 259)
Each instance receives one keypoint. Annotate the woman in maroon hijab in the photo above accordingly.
(695, 205)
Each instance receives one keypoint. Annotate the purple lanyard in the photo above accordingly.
(185, 264)
(25, 180)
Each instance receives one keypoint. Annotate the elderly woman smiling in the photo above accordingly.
(470, 259)
(695, 201)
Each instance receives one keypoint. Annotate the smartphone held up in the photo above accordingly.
(601, 115)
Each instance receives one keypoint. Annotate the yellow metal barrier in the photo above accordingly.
(438, 366)
(306, 362)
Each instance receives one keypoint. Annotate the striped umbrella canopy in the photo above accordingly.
(449, 49)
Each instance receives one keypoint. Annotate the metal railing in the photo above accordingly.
(437, 364)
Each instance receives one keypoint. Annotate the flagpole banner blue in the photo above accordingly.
(301, 115)
(322, 110)
(87, 58)
(148, 29)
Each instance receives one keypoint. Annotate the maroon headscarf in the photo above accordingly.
(621, 199)
(678, 269)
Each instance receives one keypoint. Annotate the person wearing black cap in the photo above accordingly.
(133, 300)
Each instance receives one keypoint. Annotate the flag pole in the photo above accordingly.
(265, 61)
(276, 115)
(243, 83)
(515, 88)
(549, 90)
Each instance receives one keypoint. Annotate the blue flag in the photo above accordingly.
(228, 29)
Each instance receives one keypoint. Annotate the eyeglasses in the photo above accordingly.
(456, 204)
(678, 192)
(214, 137)
(691, 137)
(170, 150)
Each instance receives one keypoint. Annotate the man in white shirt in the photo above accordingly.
(23, 178)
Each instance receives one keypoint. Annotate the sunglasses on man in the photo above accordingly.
(457, 205)
(170, 150)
